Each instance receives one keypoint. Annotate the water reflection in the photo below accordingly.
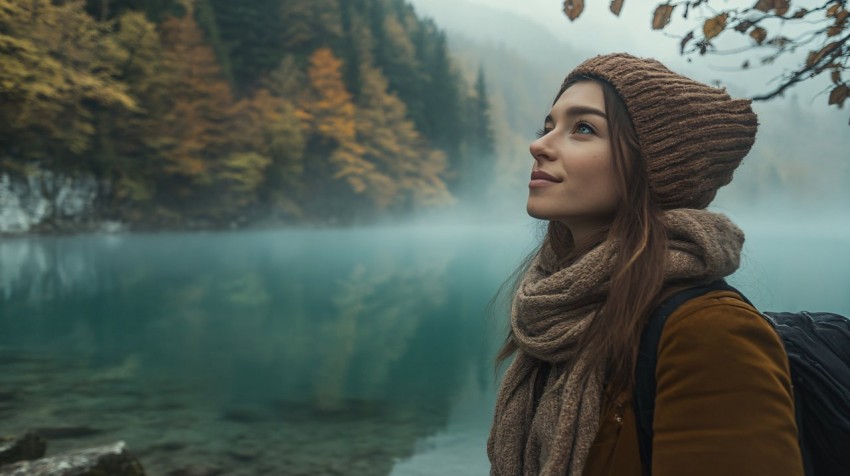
(299, 352)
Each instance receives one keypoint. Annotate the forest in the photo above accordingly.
(213, 112)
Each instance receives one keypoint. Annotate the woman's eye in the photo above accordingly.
(583, 128)
(542, 132)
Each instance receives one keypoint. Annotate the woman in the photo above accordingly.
(629, 157)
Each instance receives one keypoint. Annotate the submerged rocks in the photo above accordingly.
(28, 446)
(114, 460)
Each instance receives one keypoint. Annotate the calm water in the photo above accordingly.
(361, 352)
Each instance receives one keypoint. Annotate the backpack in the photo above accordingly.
(818, 348)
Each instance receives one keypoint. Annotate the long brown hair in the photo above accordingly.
(611, 341)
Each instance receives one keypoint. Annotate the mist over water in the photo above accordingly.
(366, 349)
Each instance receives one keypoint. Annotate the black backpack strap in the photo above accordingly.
(644, 394)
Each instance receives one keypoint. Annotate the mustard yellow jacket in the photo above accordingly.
(724, 404)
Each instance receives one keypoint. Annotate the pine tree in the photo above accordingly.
(482, 134)
(444, 110)
(250, 37)
(409, 173)
(309, 25)
(334, 156)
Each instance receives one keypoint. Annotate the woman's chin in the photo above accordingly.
(534, 210)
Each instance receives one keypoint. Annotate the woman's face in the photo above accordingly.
(572, 178)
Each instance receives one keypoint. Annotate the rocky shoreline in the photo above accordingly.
(24, 455)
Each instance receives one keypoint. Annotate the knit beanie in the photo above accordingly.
(692, 136)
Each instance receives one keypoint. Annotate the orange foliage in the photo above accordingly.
(195, 127)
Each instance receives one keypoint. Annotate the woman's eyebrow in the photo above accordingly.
(578, 111)
(581, 110)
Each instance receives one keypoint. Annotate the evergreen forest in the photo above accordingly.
(214, 112)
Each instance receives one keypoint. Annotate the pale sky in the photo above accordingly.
(598, 31)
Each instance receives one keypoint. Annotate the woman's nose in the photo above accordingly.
(539, 151)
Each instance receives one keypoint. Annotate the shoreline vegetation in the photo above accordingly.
(204, 113)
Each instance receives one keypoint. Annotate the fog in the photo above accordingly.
(798, 171)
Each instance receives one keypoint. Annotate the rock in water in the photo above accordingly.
(114, 460)
(20, 448)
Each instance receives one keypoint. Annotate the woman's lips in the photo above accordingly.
(540, 178)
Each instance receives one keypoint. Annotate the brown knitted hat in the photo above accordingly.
(692, 136)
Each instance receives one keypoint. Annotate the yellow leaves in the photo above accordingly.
(330, 104)
(661, 16)
(351, 166)
(838, 95)
(573, 8)
(405, 166)
(59, 67)
(616, 7)
(759, 34)
(243, 171)
(715, 26)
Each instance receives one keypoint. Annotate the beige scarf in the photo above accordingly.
(550, 311)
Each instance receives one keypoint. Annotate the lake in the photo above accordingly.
(301, 352)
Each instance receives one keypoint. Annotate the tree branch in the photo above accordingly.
(798, 76)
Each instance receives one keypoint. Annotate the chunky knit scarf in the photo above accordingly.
(551, 310)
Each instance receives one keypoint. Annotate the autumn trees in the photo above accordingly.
(218, 112)
(771, 29)
(58, 67)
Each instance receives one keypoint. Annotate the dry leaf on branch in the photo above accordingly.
(778, 41)
(816, 56)
(838, 95)
(661, 16)
(759, 34)
(743, 26)
(764, 5)
(836, 77)
(714, 26)
(781, 6)
(573, 8)
(616, 6)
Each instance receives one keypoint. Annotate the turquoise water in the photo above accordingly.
(360, 352)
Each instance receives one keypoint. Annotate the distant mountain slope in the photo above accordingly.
(480, 23)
